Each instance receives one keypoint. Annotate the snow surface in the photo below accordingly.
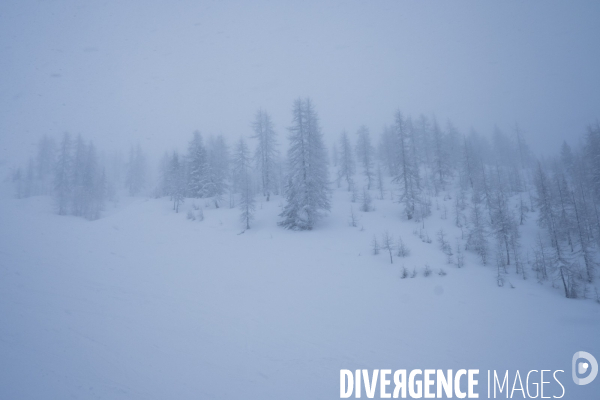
(145, 304)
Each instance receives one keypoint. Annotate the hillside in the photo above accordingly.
(145, 304)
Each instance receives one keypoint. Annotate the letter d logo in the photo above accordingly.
(583, 367)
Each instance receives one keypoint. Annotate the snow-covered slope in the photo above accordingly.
(145, 304)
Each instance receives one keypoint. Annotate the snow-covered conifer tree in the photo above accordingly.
(62, 177)
(365, 154)
(198, 182)
(380, 186)
(546, 218)
(218, 163)
(94, 182)
(346, 167)
(387, 150)
(79, 166)
(477, 236)
(365, 200)
(441, 166)
(266, 151)
(307, 191)
(243, 178)
(504, 225)
(423, 134)
(584, 244)
(452, 146)
(135, 179)
(408, 174)
(177, 181)
(468, 165)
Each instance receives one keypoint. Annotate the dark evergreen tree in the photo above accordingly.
(307, 191)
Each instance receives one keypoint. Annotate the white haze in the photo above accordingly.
(153, 72)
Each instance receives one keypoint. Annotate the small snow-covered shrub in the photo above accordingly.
(375, 245)
(366, 202)
(403, 251)
(403, 273)
(443, 242)
(427, 271)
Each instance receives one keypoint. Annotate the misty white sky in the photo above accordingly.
(122, 72)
